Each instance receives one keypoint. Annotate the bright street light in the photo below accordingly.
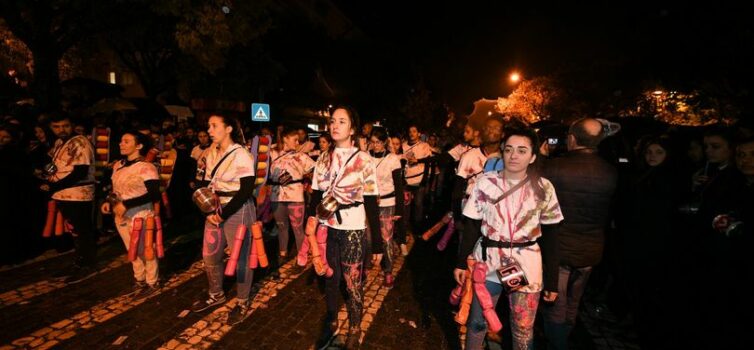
(515, 77)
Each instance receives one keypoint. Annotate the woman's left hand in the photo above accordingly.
(214, 219)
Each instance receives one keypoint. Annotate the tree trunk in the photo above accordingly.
(46, 83)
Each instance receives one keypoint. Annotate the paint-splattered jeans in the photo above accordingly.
(523, 308)
(386, 231)
(213, 252)
(345, 255)
(285, 213)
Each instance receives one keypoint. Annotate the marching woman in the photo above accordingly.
(507, 213)
(198, 154)
(348, 176)
(389, 183)
(395, 147)
(136, 186)
(288, 169)
(230, 172)
(325, 144)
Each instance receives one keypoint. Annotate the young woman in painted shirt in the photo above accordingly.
(288, 195)
(511, 227)
(230, 172)
(136, 187)
(390, 185)
(349, 176)
(400, 226)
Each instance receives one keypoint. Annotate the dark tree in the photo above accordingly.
(49, 28)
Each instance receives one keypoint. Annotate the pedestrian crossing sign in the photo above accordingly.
(260, 112)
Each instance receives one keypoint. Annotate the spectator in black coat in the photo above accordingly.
(724, 220)
(585, 184)
(648, 202)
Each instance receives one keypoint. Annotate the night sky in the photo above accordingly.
(465, 49)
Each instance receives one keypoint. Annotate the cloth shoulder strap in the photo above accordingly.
(217, 166)
(511, 190)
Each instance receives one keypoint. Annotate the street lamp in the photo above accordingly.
(515, 77)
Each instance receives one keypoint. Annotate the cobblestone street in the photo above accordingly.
(41, 312)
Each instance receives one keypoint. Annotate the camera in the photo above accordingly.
(552, 141)
(112, 198)
(511, 275)
(285, 178)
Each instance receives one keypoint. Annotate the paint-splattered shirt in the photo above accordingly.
(297, 164)
(199, 155)
(78, 150)
(128, 183)
(458, 150)
(516, 218)
(352, 182)
(471, 167)
(228, 175)
(385, 166)
(128, 180)
(415, 172)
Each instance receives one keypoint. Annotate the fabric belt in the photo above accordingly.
(226, 194)
(275, 183)
(342, 207)
(488, 243)
(389, 195)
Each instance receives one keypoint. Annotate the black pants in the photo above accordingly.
(79, 215)
(345, 255)
(415, 211)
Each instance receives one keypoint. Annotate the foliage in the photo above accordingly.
(48, 29)
(532, 100)
(693, 108)
(206, 32)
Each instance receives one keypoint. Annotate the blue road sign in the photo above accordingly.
(260, 112)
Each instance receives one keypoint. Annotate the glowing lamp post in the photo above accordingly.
(515, 77)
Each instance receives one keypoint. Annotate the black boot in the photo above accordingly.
(327, 334)
(354, 336)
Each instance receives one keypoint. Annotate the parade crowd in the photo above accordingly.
(657, 222)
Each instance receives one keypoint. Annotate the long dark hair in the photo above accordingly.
(534, 170)
(49, 136)
(237, 133)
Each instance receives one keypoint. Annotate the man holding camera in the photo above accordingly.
(585, 184)
(70, 180)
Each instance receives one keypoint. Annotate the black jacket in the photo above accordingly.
(585, 184)
(647, 204)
